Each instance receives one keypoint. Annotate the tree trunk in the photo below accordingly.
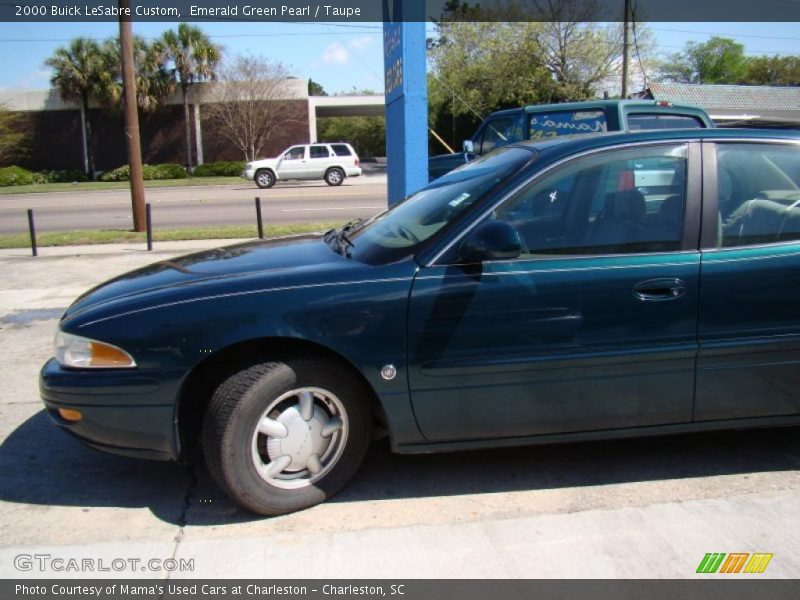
(188, 127)
(86, 129)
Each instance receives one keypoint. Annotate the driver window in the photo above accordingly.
(623, 201)
(296, 153)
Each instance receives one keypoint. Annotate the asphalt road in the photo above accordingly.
(646, 508)
(198, 206)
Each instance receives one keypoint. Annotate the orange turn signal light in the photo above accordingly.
(69, 414)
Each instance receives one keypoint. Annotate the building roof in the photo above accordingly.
(729, 97)
(731, 102)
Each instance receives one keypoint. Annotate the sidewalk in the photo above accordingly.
(159, 248)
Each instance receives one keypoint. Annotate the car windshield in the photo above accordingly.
(402, 229)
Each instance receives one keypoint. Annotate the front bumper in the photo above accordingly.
(124, 412)
(249, 174)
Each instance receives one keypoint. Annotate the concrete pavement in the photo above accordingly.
(634, 508)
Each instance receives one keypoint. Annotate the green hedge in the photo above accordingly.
(64, 176)
(223, 168)
(149, 172)
(19, 176)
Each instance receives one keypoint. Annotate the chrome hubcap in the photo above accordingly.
(264, 179)
(334, 177)
(299, 438)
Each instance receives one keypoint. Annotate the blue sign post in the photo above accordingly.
(406, 97)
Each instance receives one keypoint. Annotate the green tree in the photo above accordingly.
(154, 81)
(194, 58)
(719, 60)
(772, 70)
(77, 70)
(366, 134)
(316, 89)
(13, 137)
(479, 66)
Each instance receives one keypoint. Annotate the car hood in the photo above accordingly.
(277, 262)
(264, 162)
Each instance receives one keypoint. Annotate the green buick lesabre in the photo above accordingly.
(604, 286)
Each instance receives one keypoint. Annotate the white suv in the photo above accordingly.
(331, 162)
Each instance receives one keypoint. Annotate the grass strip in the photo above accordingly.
(115, 236)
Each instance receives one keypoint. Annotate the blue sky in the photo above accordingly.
(338, 56)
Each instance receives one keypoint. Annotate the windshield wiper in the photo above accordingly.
(339, 239)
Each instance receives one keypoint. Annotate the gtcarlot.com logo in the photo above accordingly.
(735, 562)
(48, 562)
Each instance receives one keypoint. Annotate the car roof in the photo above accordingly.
(572, 144)
(597, 105)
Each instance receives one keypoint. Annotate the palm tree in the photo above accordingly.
(76, 75)
(194, 58)
(153, 80)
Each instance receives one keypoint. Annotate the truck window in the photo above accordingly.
(568, 122)
(641, 121)
(498, 132)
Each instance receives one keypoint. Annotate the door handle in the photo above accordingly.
(654, 290)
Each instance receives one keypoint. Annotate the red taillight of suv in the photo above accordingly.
(356, 162)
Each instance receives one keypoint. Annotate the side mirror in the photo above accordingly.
(492, 240)
(469, 146)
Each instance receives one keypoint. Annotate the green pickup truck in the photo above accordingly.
(542, 121)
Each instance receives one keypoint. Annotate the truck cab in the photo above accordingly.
(542, 121)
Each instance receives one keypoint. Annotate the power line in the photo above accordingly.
(729, 35)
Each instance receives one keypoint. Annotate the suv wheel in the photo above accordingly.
(265, 178)
(334, 176)
(283, 436)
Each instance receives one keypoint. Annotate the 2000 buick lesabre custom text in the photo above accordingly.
(611, 285)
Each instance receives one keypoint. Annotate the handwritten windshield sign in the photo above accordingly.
(550, 125)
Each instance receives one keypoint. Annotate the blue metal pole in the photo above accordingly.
(404, 57)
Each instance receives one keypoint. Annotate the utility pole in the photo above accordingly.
(131, 119)
(626, 47)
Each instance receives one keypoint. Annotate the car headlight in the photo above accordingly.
(82, 353)
(248, 166)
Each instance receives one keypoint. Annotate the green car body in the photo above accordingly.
(529, 349)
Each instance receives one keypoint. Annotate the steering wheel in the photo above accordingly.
(406, 233)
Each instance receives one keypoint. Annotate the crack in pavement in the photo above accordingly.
(191, 471)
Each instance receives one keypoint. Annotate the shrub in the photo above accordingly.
(119, 174)
(18, 176)
(168, 171)
(223, 168)
(64, 176)
(149, 172)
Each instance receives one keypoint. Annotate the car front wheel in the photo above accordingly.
(264, 178)
(283, 436)
(334, 176)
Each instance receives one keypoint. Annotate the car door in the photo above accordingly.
(593, 327)
(749, 328)
(294, 163)
(319, 159)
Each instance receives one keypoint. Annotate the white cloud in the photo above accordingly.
(340, 54)
(360, 43)
(335, 54)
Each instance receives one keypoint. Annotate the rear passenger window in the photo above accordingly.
(759, 193)
(319, 152)
(657, 121)
(341, 150)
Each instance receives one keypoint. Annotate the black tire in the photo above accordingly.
(264, 178)
(334, 176)
(236, 408)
